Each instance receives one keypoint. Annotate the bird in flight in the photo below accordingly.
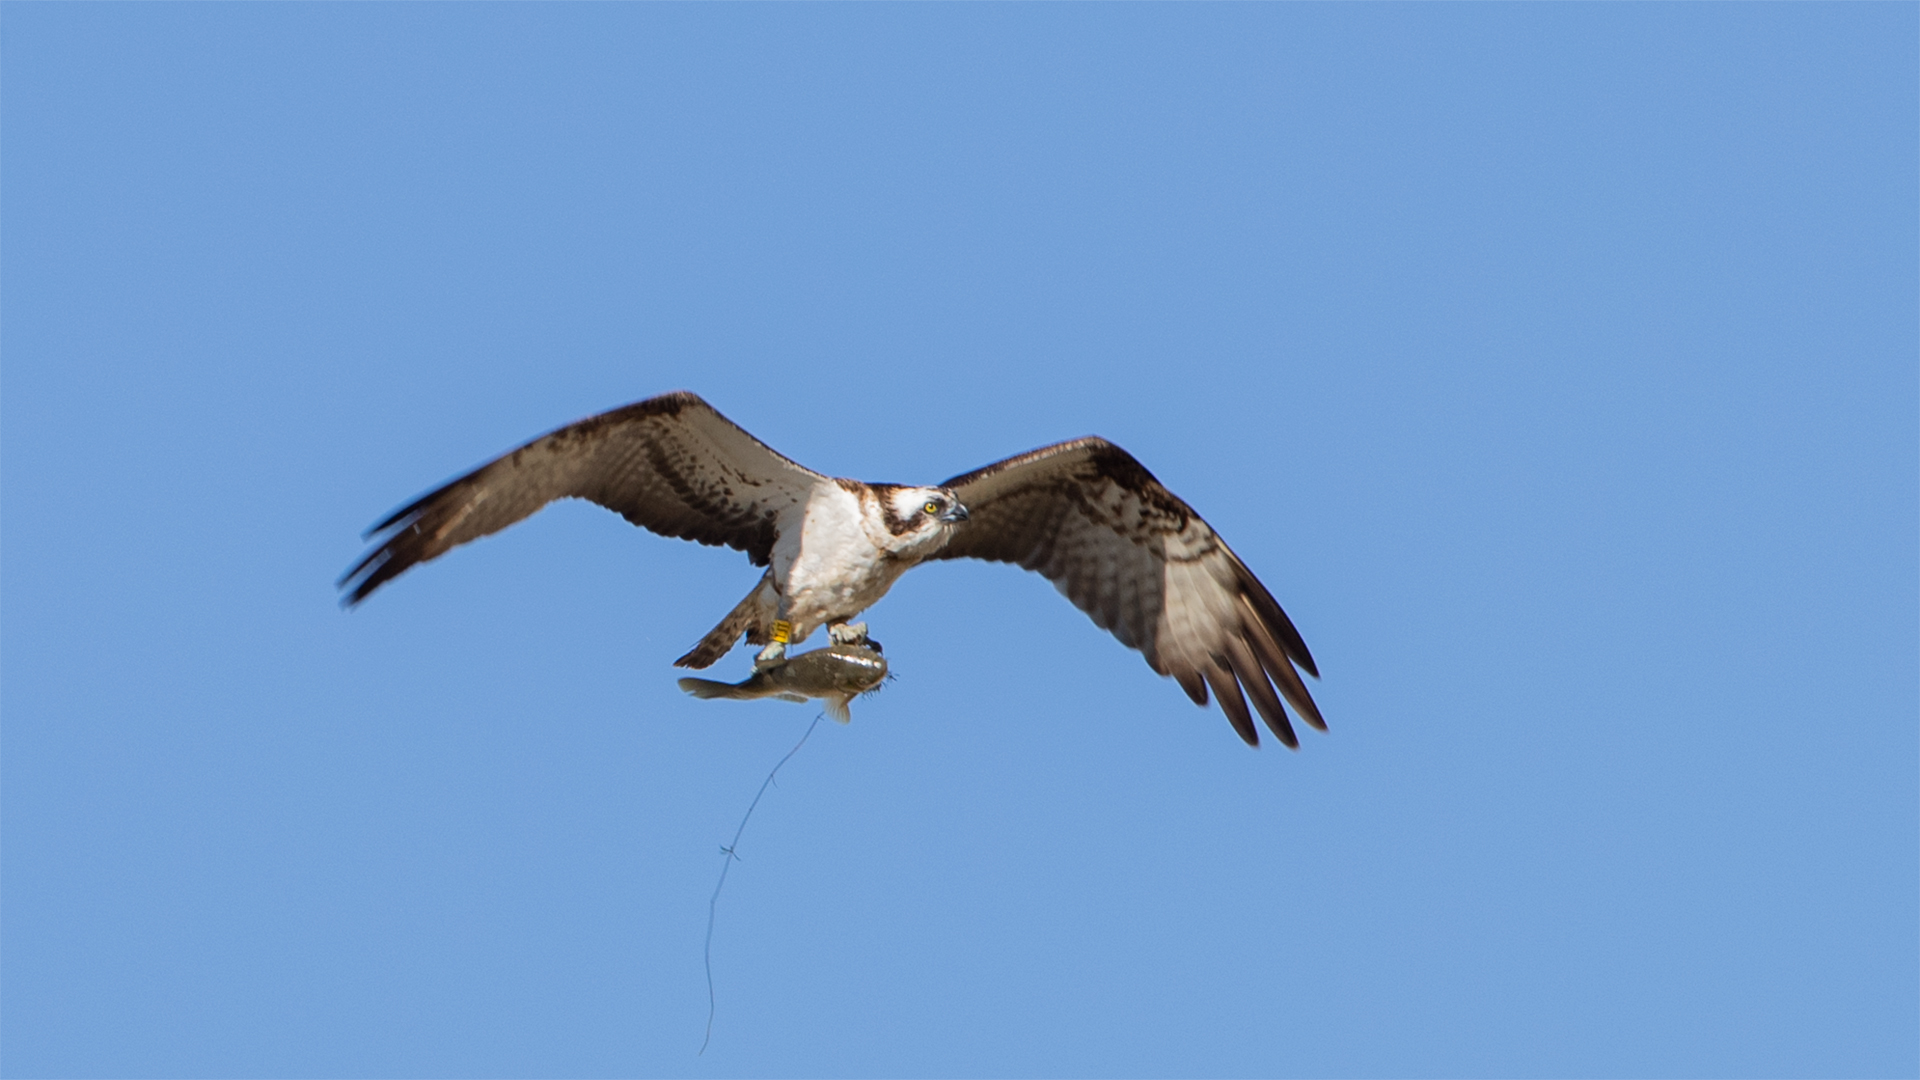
(1083, 513)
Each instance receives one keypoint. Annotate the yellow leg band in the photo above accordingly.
(782, 631)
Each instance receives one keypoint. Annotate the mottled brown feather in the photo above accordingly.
(671, 464)
(1093, 520)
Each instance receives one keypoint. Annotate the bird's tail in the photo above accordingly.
(750, 617)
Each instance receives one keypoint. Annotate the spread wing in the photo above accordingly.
(670, 463)
(1132, 555)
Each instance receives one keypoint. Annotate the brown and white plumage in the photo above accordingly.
(1138, 560)
(671, 464)
(1085, 514)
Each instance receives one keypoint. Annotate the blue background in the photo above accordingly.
(1555, 366)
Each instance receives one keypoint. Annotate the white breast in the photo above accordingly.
(830, 569)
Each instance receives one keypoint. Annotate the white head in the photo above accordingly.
(918, 519)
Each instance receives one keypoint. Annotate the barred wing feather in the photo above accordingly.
(671, 464)
(1146, 568)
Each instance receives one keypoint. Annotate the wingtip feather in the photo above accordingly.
(1195, 687)
(1227, 692)
(1254, 680)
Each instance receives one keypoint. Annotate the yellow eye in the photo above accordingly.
(932, 507)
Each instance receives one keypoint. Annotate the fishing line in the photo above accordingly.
(713, 905)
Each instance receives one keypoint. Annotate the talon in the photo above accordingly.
(770, 657)
(848, 633)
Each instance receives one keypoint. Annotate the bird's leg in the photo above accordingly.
(852, 634)
(775, 653)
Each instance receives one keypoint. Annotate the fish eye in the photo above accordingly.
(932, 507)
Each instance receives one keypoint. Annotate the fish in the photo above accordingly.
(836, 675)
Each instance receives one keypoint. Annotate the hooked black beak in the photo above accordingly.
(954, 513)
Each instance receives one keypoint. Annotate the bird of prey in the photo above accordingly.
(1083, 513)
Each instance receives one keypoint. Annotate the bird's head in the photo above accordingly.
(921, 517)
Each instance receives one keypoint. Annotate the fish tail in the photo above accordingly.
(707, 688)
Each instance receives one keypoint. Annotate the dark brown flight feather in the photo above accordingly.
(671, 464)
(1084, 514)
(1146, 568)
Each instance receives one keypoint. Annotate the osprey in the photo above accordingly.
(1084, 513)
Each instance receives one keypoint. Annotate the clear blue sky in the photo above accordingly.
(1554, 365)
